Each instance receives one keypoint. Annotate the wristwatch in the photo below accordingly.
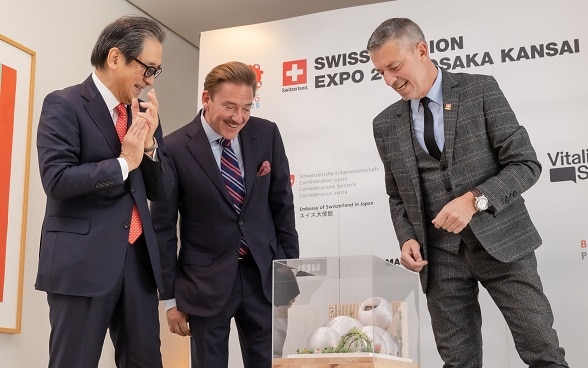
(480, 200)
(152, 148)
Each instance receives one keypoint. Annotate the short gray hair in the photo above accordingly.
(402, 29)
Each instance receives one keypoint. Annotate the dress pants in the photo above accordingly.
(209, 344)
(130, 311)
(515, 287)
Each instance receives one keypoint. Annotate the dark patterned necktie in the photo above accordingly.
(136, 228)
(429, 133)
(234, 181)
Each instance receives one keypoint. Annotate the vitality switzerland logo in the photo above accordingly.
(567, 166)
(294, 72)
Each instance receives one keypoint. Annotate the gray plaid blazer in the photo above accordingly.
(485, 147)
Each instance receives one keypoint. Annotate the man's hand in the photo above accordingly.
(133, 144)
(456, 214)
(178, 322)
(410, 256)
(150, 115)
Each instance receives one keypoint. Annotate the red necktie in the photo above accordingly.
(121, 129)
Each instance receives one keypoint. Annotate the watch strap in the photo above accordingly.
(152, 148)
(476, 192)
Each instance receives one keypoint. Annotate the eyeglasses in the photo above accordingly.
(150, 70)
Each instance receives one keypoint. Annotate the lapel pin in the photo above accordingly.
(447, 106)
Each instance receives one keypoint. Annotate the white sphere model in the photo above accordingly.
(382, 341)
(342, 324)
(375, 312)
(322, 337)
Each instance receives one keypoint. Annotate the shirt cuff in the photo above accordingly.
(154, 158)
(124, 167)
(169, 304)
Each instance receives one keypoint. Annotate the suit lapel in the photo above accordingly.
(199, 148)
(250, 152)
(98, 112)
(450, 108)
(403, 124)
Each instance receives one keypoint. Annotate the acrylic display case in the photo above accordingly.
(354, 311)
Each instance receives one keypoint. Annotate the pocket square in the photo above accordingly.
(264, 169)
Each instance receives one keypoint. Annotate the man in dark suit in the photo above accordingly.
(236, 215)
(456, 165)
(99, 259)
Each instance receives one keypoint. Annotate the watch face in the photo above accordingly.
(482, 203)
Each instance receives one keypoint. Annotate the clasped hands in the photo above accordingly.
(140, 134)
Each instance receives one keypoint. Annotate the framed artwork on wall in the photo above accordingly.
(17, 77)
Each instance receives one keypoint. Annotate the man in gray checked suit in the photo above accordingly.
(456, 163)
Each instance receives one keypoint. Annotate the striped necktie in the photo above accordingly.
(234, 181)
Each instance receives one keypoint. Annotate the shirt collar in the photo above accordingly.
(107, 95)
(210, 133)
(435, 94)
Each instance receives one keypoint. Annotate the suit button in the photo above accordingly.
(126, 225)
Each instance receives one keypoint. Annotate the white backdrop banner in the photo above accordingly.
(318, 84)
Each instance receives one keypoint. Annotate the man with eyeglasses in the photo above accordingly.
(101, 157)
(150, 70)
(234, 204)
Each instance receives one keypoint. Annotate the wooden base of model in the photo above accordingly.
(342, 361)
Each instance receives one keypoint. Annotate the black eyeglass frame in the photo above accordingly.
(150, 70)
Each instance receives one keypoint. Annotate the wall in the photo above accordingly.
(62, 33)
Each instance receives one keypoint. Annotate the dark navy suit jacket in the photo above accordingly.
(87, 217)
(201, 277)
